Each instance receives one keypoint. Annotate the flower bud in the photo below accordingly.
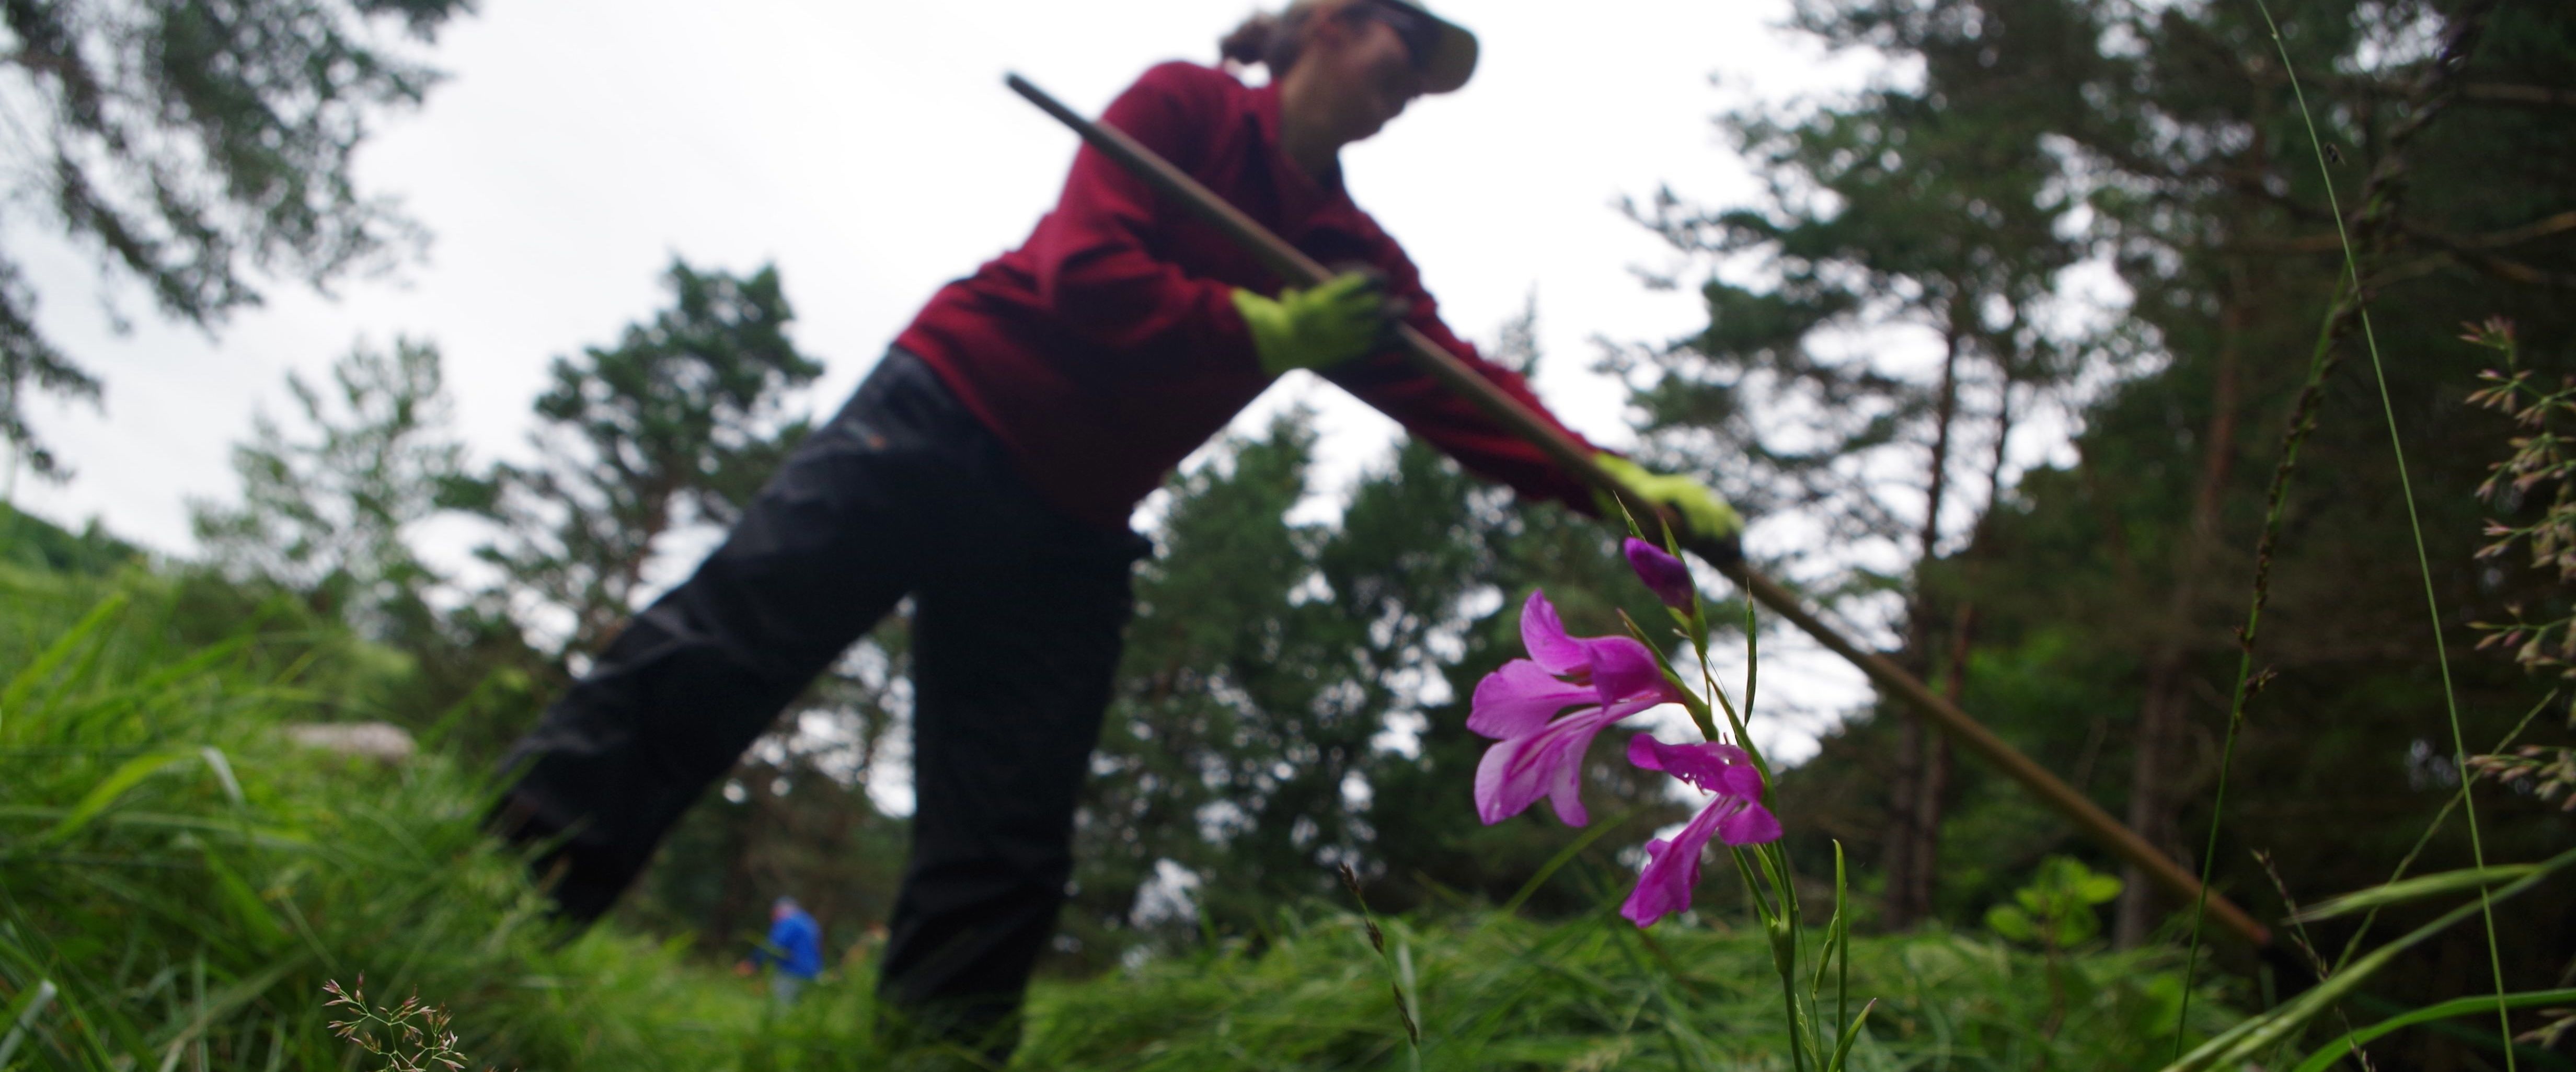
(1665, 575)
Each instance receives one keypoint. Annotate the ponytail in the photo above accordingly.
(1274, 41)
(1251, 42)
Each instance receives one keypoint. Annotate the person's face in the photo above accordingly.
(1370, 73)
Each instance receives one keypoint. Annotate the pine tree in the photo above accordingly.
(333, 514)
(677, 424)
(1914, 242)
(2173, 151)
(193, 147)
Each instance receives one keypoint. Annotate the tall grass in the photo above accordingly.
(178, 883)
(1495, 992)
(2352, 306)
(186, 880)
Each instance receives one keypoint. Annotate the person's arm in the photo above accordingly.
(1094, 253)
(1390, 382)
(774, 949)
(1426, 407)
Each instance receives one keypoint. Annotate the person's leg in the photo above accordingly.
(1015, 644)
(823, 552)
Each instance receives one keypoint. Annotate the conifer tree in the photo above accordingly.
(2170, 147)
(679, 423)
(193, 148)
(333, 513)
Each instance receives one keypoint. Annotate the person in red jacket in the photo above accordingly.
(987, 467)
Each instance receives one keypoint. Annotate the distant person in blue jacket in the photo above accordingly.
(795, 946)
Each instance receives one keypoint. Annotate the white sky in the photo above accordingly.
(871, 151)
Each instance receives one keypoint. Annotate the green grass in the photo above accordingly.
(187, 881)
(1502, 993)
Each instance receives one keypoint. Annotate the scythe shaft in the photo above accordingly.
(1287, 262)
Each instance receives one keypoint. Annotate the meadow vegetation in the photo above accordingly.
(188, 881)
(2102, 362)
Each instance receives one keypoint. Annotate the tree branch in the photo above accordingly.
(2518, 96)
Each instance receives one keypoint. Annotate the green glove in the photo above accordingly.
(1702, 512)
(1346, 316)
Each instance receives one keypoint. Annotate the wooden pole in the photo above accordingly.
(1290, 264)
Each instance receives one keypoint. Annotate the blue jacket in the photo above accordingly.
(795, 945)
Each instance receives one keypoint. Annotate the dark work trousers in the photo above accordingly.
(1019, 615)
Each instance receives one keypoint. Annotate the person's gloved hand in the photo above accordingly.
(1344, 317)
(1702, 512)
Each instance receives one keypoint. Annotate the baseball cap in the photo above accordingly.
(1443, 50)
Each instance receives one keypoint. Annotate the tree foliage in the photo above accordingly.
(336, 513)
(194, 147)
(2164, 145)
(1294, 694)
(677, 424)
(2093, 210)
(33, 543)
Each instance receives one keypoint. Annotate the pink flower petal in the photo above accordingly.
(1709, 766)
(1544, 635)
(1623, 669)
(1565, 792)
(1750, 824)
(1642, 754)
(1515, 773)
(1652, 901)
(1735, 816)
(1518, 699)
(1672, 871)
(1741, 780)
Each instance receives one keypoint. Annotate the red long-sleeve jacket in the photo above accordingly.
(1108, 347)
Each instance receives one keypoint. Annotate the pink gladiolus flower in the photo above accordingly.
(1537, 753)
(1665, 575)
(1736, 817)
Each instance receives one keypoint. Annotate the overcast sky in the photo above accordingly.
(871, 152)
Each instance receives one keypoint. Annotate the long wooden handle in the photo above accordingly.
(1290, 264)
